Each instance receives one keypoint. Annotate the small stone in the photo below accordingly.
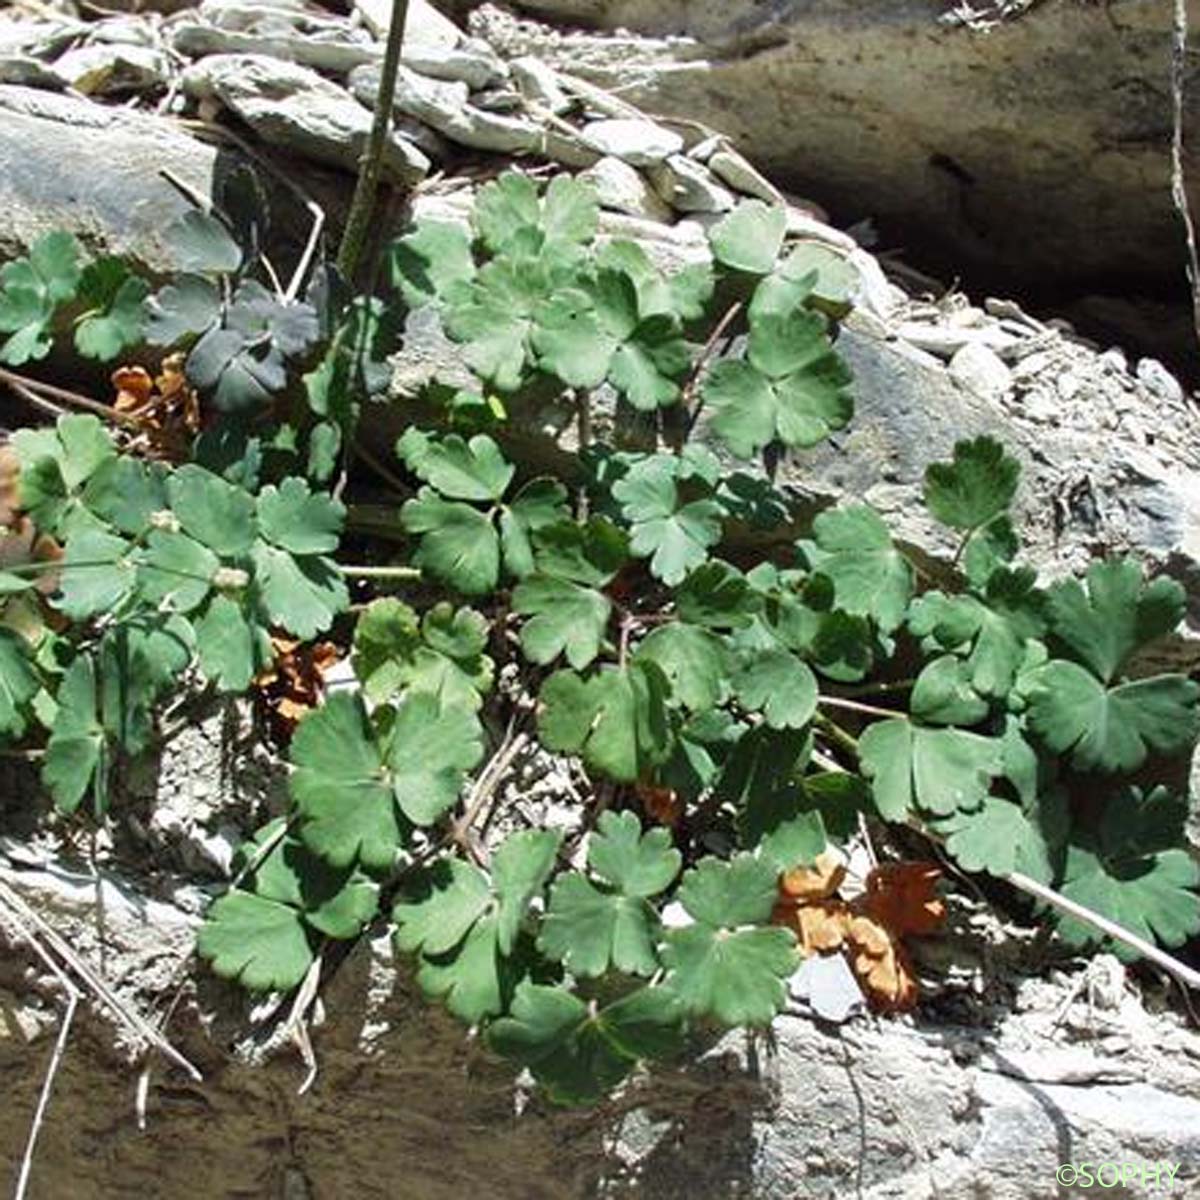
(473, 63)
(704, 150)
(639, 143)
(624, 189)
(424, 26)
(446, 107)
(539, 83)
(106, 67)
(1153, 376)
(1114, 359)
(980, 370)
(731, 168)
(687, 186)
(26, 71)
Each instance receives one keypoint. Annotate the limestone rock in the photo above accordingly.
(110, 67)
(687, 186)
(424, 26)
(289, 105)
(539, 83)
(446, 107)
(981, 371)
(639, 143)
(195, 39)
(735, 170)
(623, 188)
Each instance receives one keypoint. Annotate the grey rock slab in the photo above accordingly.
(1040, 147)
(68, 163)
(539, 84)
(735, 170)
(424, 25)
(290, 106)
(688, 187)
(639, 143)
(447, 108)
(625, 189)
(26, 71)
(109, 67)
(195, 39)
(471, 62)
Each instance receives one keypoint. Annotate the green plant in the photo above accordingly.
(660, 651)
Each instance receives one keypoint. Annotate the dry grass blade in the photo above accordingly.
(129, 1017)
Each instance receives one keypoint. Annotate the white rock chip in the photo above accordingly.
(290, 106)
(639, 143)
(425, 26)
(107, 67)
(196, 39)
(687, 186)
(472, 62)
(624, 189)
(447, 108)
(731, 168)
(539, 83)
(981, 371)
(1154, 376)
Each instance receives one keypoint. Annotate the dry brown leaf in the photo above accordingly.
(165, 408)
(903, 896)
(661, 804)
(819, 925)
(881, 963)
(294, 682)
(10, 472)
(822, 879)
(900, 899)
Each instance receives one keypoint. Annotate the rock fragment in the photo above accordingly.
(639, 143)
(688, 187)
(624, 189)
(290, 106)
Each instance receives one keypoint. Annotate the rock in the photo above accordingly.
(735, 170)
(687, 186)
(290, 106)
(981, 371)
(539, 83)
(471, 62)
(623, 188)
(66, 163)
(26, 71)
(1153, 375)
(970, 1097)
(109, 67)
(424, 25)
(195, 39)
(446, 107)
(639, 143)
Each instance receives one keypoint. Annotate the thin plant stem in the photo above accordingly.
(396, 573)
(855, 706)
(362, 206)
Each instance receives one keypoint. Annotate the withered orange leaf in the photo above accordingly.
(819, 925)
(165, 408)
(294, 682)
(903, 896)
(822, 879)
(882, 965)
